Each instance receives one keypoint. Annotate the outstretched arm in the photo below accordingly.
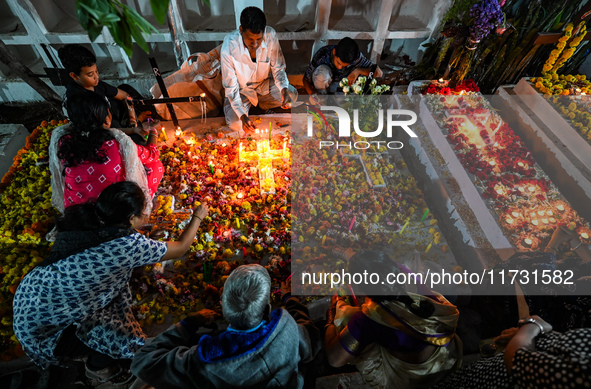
(177, 248)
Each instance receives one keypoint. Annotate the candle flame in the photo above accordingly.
(584, 235)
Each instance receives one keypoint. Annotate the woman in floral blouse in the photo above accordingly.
(77, 302)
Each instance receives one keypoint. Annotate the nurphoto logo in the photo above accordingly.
(402, 118)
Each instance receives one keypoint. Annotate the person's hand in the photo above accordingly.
(561, 235)
(313, 99)
(285, 99)
(141, 131)
(353, 76)
(201, 211)
(247, 124)
(547, 326)
(202, 317)
(286, 286)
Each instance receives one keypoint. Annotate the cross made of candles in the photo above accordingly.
(264, 155)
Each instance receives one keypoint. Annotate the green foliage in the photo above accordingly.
(124, 24)
(458, 10)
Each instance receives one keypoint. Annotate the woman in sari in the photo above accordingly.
(395, 339)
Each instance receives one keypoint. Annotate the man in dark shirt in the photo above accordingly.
(332, 63)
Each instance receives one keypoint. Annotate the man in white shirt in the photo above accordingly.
(253, 70)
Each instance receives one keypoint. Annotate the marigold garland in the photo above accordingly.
(26, 215)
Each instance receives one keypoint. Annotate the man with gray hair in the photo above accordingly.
(260, 348)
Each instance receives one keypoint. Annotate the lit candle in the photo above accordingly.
(531, 189)
(500, 191)
(202, 95)
(239, 195)
(492, 163)
(552, 220)
(584, 235)
(509, 220)
(541, 213)
(527, 242)
(545, 221)
(179, 132)
(440, 80)
(515, 214)
(223, 145)
(535, 222)
(521, 189)
(520, 164)
(549, 213)
(560, 207)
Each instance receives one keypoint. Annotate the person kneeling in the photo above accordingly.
(259, 348)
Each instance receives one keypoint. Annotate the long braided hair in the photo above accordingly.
(89, 112)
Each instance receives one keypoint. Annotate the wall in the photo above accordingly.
(35, 29)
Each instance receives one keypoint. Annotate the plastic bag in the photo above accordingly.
(200, 73)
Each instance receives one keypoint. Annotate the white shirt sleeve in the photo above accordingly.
(277, 61)
(230, 79)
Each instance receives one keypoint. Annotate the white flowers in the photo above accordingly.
(357, 87)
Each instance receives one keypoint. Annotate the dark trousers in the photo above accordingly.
(69, 346)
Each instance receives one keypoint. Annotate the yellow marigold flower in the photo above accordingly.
(572, 106)
(546, 67)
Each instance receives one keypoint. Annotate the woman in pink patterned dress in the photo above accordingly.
(88, 155)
